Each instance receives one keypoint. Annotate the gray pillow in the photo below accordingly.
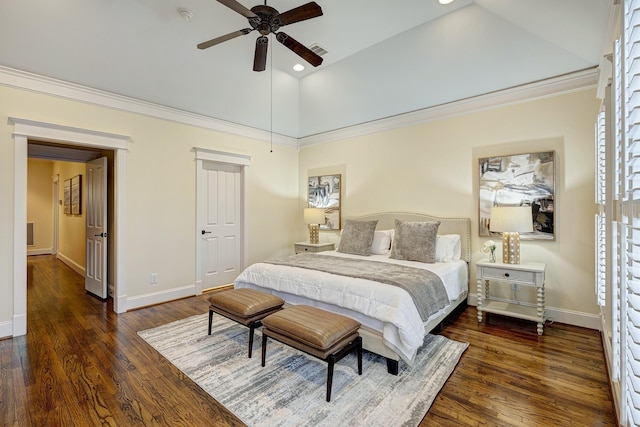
(357, 237)
(415, 241)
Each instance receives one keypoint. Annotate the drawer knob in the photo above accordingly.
(506, 274)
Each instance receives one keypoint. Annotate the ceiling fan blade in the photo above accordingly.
(260, 58)
(299, 49)
(300, 13)
(233, 4)
(224, 38)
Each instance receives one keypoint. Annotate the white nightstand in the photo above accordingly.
(313, 247)
(530, 274)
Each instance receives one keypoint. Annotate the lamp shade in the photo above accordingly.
(314, 216)
(511, 219)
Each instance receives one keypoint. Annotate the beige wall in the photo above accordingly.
(40, 204)
(160, 198)
(433, 168)
(71, 228)
(426, 168)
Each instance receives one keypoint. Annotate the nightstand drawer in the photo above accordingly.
(313, 247)
(508, 274)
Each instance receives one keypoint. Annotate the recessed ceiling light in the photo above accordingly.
(445, 1)
(298, 67)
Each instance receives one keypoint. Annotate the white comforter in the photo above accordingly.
(385, 308)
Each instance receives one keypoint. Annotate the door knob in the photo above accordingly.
(206, 232)
(100, 235)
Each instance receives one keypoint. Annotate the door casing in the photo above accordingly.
(23, 130)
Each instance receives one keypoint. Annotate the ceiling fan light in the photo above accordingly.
(298, 67)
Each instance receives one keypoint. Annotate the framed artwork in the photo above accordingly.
(324, 192)
(519, 180)
(76, 195)
(66, 200)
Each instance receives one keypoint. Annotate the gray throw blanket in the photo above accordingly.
(425, 287)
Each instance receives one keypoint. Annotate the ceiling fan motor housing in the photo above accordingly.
(269, 21)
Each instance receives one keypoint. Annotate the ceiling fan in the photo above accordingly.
(266, 20)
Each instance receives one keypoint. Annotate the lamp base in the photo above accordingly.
(511, 247)
(314, 233)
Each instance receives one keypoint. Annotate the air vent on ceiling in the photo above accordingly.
(318, 50)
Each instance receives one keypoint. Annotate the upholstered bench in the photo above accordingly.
(327, 336)
(245, 306)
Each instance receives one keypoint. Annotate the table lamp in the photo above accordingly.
(511, 221)
(313, 217)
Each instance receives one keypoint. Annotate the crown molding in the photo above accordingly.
(566, 83)
(579, 80)
(36, 83)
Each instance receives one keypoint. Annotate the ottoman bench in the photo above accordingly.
(245, 306)
(325, 335)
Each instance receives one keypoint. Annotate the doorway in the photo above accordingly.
(25, 130)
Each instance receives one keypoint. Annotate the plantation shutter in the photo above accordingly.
(615, 180)
(630, 309)
(600, 223)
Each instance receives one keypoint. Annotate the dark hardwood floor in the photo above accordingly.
(81, 364)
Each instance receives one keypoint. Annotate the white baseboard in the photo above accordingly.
(6, 329)
(569, 317)
(71, 263)
(43, 251)
(160, 297)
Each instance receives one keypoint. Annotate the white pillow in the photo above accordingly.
(381, 242)
(448, 248)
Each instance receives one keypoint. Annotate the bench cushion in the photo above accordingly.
(245, 303)
(311, 326)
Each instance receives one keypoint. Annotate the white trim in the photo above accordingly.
(160, 297)
(537, 90)
(71, 263)
(559, 315)
(24, 80)
(25, 129)
(6, 329)
(222, 156)
(43, 251)
(550, 87)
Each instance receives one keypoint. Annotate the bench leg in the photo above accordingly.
(252, 327)
(264, 349)
(210, 320)
(359, 350)
(331, 360)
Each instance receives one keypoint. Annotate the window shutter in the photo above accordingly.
(630, 310)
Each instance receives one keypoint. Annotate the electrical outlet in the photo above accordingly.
(154, 278)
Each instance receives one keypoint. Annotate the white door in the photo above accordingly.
(221, 228)
(95, 280)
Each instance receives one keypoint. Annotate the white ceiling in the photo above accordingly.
(384, 57)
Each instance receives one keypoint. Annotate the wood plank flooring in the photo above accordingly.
(82, 365)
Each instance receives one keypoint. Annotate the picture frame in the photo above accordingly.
(526, 179)
(66, 199)
(324, 192)
(76, 195)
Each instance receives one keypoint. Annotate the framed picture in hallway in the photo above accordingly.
(76, 195)
(66, 200)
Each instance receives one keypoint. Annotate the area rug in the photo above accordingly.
(291, 389)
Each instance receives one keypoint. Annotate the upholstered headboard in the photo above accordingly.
(461, 226)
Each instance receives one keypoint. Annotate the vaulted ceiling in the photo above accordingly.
(384, 58)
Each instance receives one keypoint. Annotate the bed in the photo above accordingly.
(393, 324)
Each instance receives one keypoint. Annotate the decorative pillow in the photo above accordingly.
(415, 241)
(357, 237)
(381, 242)
(448, 247)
